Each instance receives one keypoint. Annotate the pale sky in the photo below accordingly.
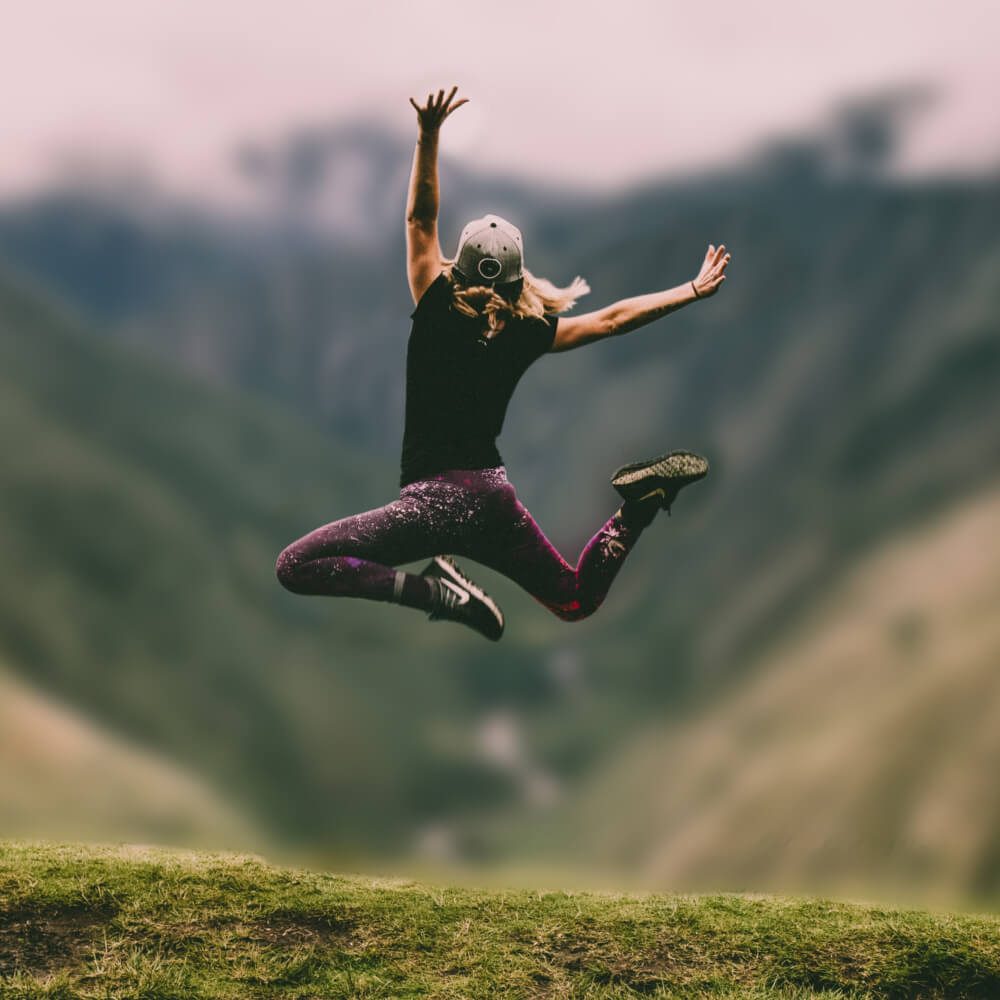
(588, 92)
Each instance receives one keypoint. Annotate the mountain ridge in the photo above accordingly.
(841, 385)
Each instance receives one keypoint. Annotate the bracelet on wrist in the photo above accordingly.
(695, 290)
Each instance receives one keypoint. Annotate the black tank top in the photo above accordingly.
(458, 383)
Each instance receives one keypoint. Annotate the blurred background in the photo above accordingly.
(794, 683)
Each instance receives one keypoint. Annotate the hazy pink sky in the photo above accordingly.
(592, 92)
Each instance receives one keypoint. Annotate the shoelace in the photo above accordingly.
(445, 599)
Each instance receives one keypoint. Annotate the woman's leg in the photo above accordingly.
(356, 556)
(513, 544)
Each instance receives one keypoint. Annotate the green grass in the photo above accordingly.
(81, 921)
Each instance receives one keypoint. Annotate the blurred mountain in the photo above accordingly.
(857, 321)
(843, 384)
(61, 776)
(301, 296)
(140, 517)
(860, 753)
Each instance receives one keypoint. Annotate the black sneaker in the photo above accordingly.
(661, 478)
(458, 599)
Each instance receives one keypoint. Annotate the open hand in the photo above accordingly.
(711, 276)
(437, 109)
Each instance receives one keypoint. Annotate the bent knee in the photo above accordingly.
(286, 569)
(575, 611)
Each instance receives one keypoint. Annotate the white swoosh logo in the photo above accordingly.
(463, 595)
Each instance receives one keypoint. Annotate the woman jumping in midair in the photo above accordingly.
(479, 322)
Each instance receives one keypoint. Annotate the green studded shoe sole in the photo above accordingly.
(667, 474)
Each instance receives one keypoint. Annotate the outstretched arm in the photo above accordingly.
(629, 314)
(423, 250)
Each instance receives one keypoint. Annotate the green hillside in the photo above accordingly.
(61, 775)
(140, 517)
(139, 922)
(861, 752)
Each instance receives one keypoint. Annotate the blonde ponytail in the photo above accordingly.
(538, 297)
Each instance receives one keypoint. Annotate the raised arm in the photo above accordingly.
(630, 314)
(423, 250)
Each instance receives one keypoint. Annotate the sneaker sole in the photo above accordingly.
(677, 465)
(449, 569)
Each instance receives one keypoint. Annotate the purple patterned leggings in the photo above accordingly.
(463, 512)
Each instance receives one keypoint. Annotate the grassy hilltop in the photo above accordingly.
(142, 922)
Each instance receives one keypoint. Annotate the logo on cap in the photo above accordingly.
(490, 268)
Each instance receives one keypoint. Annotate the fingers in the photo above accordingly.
(711, 276)
(438, 107)
(716, 258)
(446, 107)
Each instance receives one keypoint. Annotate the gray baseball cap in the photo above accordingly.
(490, 252)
